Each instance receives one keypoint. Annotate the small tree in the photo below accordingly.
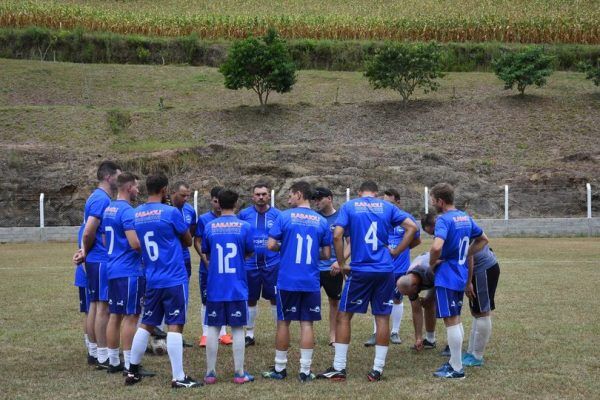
(263, 65)
(404, 67)
(591, 71)
(523, 68)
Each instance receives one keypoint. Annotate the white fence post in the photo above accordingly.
(272, 198)
(426, 200)
(196, 201)
(506, 202)
(41, 210)
(589, 199)
(347, 194)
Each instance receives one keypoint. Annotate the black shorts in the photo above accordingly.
(484, 286)
(332, 284)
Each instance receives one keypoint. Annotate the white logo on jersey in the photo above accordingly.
(293, 309)
(174, 313)
(269, 223)
(358, 302)
(316, 309)
(237, 314)
(213, 314)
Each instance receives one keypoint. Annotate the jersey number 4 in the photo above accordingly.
(371, 236)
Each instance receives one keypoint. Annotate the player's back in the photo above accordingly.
(227, 240)
(402, 261)
(203, 221)
(123, 261)
(368, 221)
(261, 223)
(302, 232)
(159, 228)
(94, 207)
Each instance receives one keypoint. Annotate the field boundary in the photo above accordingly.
(525, 227)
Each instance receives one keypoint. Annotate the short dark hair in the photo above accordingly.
(125, 178)
(443, 191)
(177, 185)
(392, 193)
(106, 168)
(368, 186)
(227, 199)
(320, 192)
(155, 183)
(428, 220)
(214, 192)
(261, 184)
(302, 187)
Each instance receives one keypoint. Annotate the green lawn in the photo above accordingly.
(544, 343)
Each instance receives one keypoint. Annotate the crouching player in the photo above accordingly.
(226, 242)
(162, 230)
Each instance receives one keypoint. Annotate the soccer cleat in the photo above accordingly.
(374, 375)
(445, 352)
(202, 341)
(333, 374)
(186, 382)
(226, 340)
(91, 360)
(469, 360)
(272, 374)
(141, 371)
(428, 345)
(241, 379)
(159, 333)
(113, 369)
(450, 374)
(371, 341)
(101, 366)
(210, 378)
(133, 376)
(395, 338)
(249, 341)
(445, 367)
(302, 377)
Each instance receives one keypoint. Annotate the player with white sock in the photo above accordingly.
(227, 242)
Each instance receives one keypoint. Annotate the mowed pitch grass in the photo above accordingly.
(544, 342)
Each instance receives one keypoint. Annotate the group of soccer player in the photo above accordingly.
(134, 262)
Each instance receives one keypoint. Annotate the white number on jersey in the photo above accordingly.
(299, 246)
(463, 250)
(151, 246)
(371, 236)
(111, 241)
(224, 267)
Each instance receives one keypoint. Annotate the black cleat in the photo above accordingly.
(186, 382)
(333, 374)
(113, 369)
(92, 360)
(133, 376)
(102, 366)
(374, 376)
(144, 373)
(428, 345)
(249, 341)
(159, 333)
(303, 378)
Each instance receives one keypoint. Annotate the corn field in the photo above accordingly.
(519, 21)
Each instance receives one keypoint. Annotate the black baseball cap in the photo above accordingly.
(319, 192)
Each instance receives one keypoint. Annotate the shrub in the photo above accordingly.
(530, 66)
(592, 72)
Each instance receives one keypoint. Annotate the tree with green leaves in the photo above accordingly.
(530, 66)
(260, 64)
(404, 67)
(592, 72)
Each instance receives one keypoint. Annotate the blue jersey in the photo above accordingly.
(261, 223)
(456, 228)
(189, 217)
(301, 232)
(368, 221)
(203, 220)
(325, 265)
(123, 261)
(159, 228)
(402, 261)
(227, 240)
(94, 207)
(80, 276)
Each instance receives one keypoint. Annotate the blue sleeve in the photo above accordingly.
(128, 220)
(398, 216)
(205, 247)
(249, 238)
(418, 232)
(178, 223)
(476, 231)
(441, 228)
(326, 238)
(276, 231)
(342, 219)
(97, 206)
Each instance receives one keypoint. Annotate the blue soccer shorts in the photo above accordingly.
(448, 302)
(298, 306)
(97, 281)
(125, 295)
(231, 313)
(170, 303)
(364, 288)
(262, 281)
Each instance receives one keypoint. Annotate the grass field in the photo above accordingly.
(526, 21)
(544, 343)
